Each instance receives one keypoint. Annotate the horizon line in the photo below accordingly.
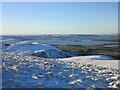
(58, 34)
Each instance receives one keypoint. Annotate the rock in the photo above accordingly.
(76, 81)
(111, 83)
(117, 84)
(49, 73)
(91, 88)
(34, 76)
(112, 78)
(72, 75)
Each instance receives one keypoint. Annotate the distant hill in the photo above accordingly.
(75, 37)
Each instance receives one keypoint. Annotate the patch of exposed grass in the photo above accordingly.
(111, 50)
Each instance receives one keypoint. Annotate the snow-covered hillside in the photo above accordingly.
(30, 64)
(34, 72)
(100, 60)
(37, 49)
(50, 53)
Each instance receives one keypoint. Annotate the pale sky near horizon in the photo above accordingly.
(59, 18)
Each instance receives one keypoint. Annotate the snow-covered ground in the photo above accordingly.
(53, 69)
(37, 49)
(31, 72)
(100, 60)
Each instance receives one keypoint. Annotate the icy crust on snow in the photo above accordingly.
(20, 71)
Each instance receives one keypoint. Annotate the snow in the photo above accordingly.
(6, 40)
(29, 46)
(22, 69)
(41, 50)
(31, 72)
(100, 60)
(51, 53)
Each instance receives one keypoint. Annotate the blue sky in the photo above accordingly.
(59, 18)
